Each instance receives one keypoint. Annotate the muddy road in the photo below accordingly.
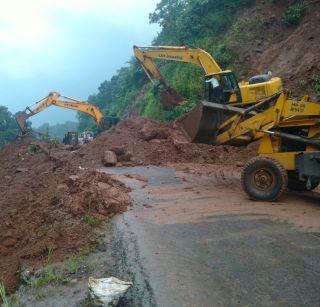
(193, 238)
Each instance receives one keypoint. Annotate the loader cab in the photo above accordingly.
(223, 88)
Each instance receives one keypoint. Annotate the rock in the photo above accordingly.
(73, 178)
(148, 133)
(125, 158)
(107, 291)
(109, 158)
(62, 187)
(103, 186)
(163, 134)
(155, 141)
(239, 164)
(118, 150)
(21, 170)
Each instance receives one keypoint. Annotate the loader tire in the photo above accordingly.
(295, 184)
(264, 179)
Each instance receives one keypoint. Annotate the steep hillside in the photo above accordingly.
(250, 37)
(289, 51)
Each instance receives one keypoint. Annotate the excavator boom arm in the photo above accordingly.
(53, 99)
(195, 56)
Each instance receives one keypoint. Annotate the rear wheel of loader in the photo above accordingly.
(264, 179)
(295, 184)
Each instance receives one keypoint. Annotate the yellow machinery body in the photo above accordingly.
(289, 134)
(55, 99)
(234, 92)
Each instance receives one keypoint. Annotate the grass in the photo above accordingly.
(294, 13)
(33, 149)
(50, 252)
(60, 274)
(316, 82)
(3, 295)
(48, 276)
(90, 220)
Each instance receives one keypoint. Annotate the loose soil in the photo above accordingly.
(47, 204)
(143, 141)
(50, 195)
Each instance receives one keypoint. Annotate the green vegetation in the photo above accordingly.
(199, 23)
(3, 296)
(294, 13)
(316, 82)
(90, 220)
(48, 276)
(64, 272)
(57, 131)
(8, 127)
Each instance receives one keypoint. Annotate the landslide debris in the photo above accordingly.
(144, 141)
(48, 193)
(45, 200)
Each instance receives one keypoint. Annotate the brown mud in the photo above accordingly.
(45, 201)
(145, 141)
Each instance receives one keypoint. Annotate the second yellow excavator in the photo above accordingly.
(221, 86)
(54, 99)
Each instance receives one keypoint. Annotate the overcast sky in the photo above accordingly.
(69, 46)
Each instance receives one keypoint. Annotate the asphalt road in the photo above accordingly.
(194, 239)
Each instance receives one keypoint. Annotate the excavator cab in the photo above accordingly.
(223, 88)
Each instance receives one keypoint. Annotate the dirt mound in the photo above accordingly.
(47, 205)
(143, 141)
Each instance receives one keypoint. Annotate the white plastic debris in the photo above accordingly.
(107, 291)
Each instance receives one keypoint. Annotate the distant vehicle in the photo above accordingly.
(71, 138)
(85, 137)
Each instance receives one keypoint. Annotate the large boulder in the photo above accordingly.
(109, 158)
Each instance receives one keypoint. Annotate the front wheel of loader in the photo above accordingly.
(264, 179)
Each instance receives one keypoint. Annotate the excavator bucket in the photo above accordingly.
(201, 124)
(171, 98)
(21, 119)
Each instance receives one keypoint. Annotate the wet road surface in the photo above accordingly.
(196, 240)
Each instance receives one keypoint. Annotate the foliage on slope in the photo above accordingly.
(227, 29)
(8, 126)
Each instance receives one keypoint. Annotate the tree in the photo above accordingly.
(8, 126)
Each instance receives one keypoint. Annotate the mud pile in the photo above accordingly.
(143, 141)
(47, 206)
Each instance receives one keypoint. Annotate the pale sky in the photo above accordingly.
(69, 46)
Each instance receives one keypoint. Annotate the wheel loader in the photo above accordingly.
(289, 134)
(239, 113)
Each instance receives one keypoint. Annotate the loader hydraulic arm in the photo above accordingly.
(53, 99)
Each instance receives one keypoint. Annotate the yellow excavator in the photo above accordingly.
(221, 86)
(241, 113)
(55, 99)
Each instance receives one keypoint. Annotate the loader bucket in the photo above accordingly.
(201, 123)
(171, 98)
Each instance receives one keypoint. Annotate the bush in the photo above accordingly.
(316, 82)
(294, 13)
